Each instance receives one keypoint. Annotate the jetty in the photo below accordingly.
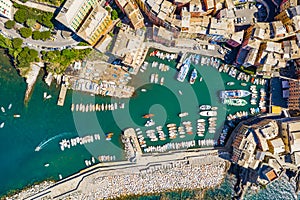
(31, 79)
(62, 95)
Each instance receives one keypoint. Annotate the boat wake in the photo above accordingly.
(44, 143)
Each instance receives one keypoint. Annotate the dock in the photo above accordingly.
(181, 61)
(62, 95)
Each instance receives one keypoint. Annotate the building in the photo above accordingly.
(131, 9)
(86, 18)
(294, 95)
(7, 9)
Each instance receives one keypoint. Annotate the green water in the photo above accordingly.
(43, 122)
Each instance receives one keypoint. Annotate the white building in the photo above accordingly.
(6, 9)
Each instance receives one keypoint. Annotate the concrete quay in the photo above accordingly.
(151, 173)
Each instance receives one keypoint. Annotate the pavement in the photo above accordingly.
(38, 6)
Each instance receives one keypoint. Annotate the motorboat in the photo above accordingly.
(184, 69)
(150, 123)
(208, 113)
(234, 93)
(183, 114)
(17, 115)
(148, 115)
(194, 76)
(235, 102)
(2, 125)
(9, 106)
(205, 107)
(230, 83)
(143, 90)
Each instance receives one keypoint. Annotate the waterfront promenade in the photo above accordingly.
(152, 173)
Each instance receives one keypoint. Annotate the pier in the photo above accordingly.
(62, 95)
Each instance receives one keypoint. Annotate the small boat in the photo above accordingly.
(45, 95)
(235, 102)
(72, 107)
(214, 108)
(148, 116)
(243, 84)
(60, 176)
(205, 107)
(17, 115)
(46, 165)
(162, 79)
(150, 123)
(156, 78)
(9, 106)
(230, 83)
(109, 136)
(183, 114)
(208, 113)
(143, 90)
(2, 125)
(194, 76)
(3, 109)
(48, 96)
(179, 91)
(37, 148)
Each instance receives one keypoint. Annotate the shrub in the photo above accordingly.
(114, 14)
(21, 16)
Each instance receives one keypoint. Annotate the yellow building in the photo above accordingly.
(86, 18)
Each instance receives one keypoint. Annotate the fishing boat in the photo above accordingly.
(208, 113)
(205, 107)
(183, 114)
(230, 83)
(148, 116)
(234, 93)
(150, 123)
(9, 106)
(234, 102)
(184, 69)
(143, 90)
(194, 76)
(2, 125)
(17, 115)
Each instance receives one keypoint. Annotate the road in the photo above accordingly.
(38, 6)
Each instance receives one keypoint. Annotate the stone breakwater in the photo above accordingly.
(176, 176)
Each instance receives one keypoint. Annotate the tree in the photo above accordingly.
(45, 35)
(114, 14)
(9, 24)
(25, 32)
(30, 22)
(17, 43)
(36, 35)
(21, 16)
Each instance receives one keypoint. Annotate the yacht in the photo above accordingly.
(184, 69)
(234, 93)
(193, 77)
(143, 90)
(235, 102)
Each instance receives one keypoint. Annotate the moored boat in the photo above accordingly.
(194, 76)
(235, 102)
(230, 83)
(205, 107)
(150, 123)
(208, 113)
(148, 115)
(183, 114)
(17, 115)
(9, 106)
(184, 69)
(234, 93)
(2, 125)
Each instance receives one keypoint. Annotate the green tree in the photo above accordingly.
(114, 14)
(21, 16)
(9, 24)
(36, 35)
(30, 22)
(25, 32)
(45, 35)
(17, 43)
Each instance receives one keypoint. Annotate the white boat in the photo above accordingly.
(2, 125)
(45, 94)
(38, 148)
(180, 92)
(214, 108)
(183, 114)
(9, 106)
(143, 90)
(3, 109)
(230, 83)
(156, 78)
(152, 78)
(243, 84)
(150, 123)
(205, 107)
(208, 113)
(184, 69)
(162, 79)
(48, 96)
(46, 165)
(17, 115)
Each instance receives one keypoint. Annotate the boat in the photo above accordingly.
(72, 107)
(234, 102)
(243, 84)
(9, 106)
(230, 83)
(194, 76)
(3, 109)
(17, 115)
(205, 107)
(179, 91)
(109, 135)
(2, 125)
(184, 69)
(46, 165)
(143, 90)
(234, 93)
(162, 79)
(148, 115)
(208, 113)
(60, 176)
(183, 114)
(48, 96)
(156, 78)
(214, 108)
(150, 123)
(38, 148)
(152, 78)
